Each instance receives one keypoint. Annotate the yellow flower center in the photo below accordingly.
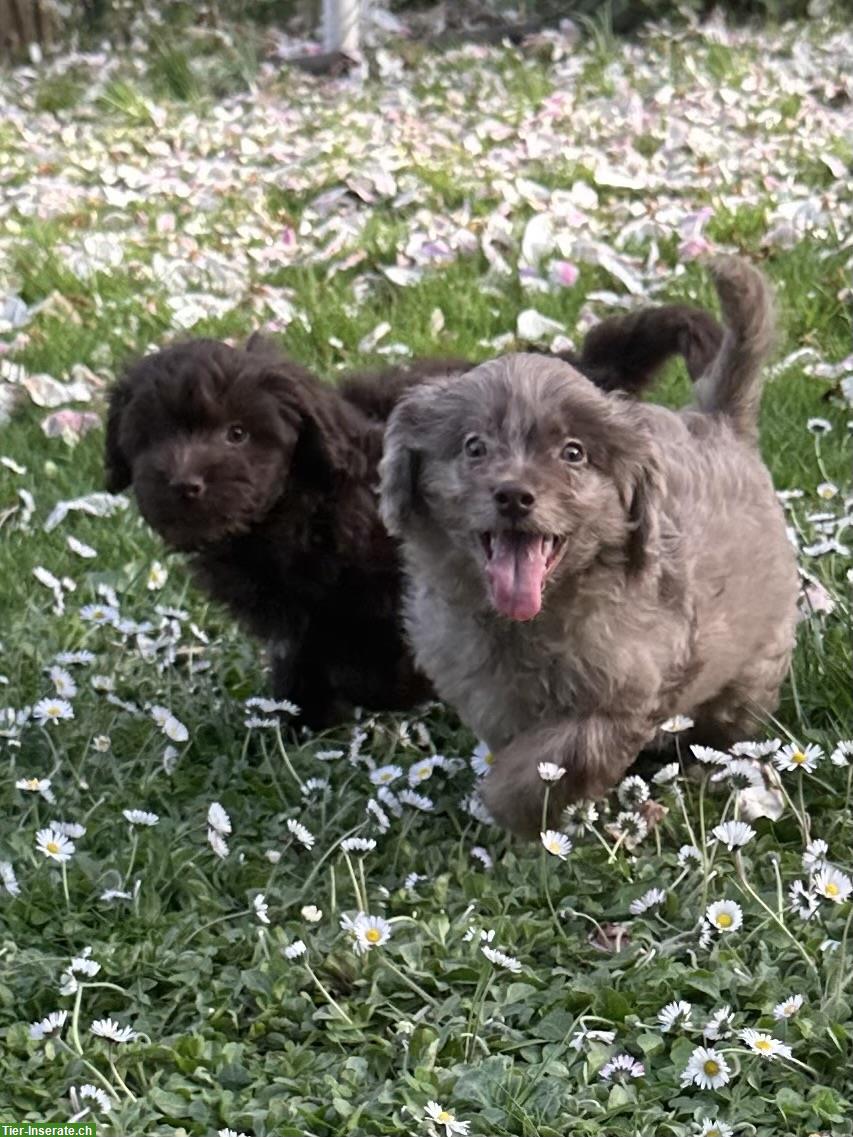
(53, 711)
(724, 920)
(32, 783)
(798, 757)
(763, 1044)
(488, 758)
(832, 889)
(373, 935)
(444, 1116)
(711, 1067)
(52, 847)
(384, 778)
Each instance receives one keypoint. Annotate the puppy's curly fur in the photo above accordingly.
(581, 567)
(265, 476)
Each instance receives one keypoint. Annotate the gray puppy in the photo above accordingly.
(582, 567)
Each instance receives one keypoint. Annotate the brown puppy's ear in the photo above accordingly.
(117, 471)
(333, 439)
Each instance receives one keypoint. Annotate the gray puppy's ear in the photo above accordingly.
(639, 480)
(401, 460)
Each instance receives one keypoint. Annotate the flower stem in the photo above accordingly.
(409, 982)
(95, 1072)
(118, 1076)
(65, 886)
(327, 996)
(747, 887)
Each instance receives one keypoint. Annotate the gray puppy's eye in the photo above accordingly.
(573, 453)
(475, 447)
(236, 434)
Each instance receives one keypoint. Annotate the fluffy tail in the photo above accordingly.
(626, 353)
(732, 386)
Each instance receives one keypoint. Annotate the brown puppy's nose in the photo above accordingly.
(190, 486)
(514, 501)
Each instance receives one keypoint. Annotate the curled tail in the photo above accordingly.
(627, 353)
(732, 387)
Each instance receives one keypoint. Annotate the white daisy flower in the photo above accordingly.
(709, 755)
(384, 775)
(651, 899)
(218, 843)
(482, 759)
(631, 825)
(54, 845)
(313, 787)
(8, 879)
(475, 806)
(302, 834)
(328, 755)
(666, 774)
(369, 932)
(52, 710)
(832, 884)
(764, 1044)
(827, 490)
(157, 577)
(483, 856)
(99, 613)
(788, 1008)
(80, 548)
(379, 815)
(558, 844)
(733, 834)
(259, 903)
(358, 845)
(311, 913)
(709, 1128)
(793, 757)
(412, 881)
(688, 853)
(84, 965)
(423, 770)
(83, 1096)
(390, 799)
(752, 749)
(819, 425)
(550, 771)
(501, 959)
(175, 730)
(579, 816)
(802, 900)
(741, 773)
(725, 915)
(140, 817)
(218, 819)
(36, 786)
(842, 753)
(632, 791)
(719, 1025)
(621, 1067)
(676, 724)
(48, 1027)
(74, 658)
(102, 683)
(111, 1031)
(583, 1036)
(101, 743)
(111, 894)
(706, 1068)
(72, 829)
(815, 856)
(63, 683)
(675, 1015)
(415, 800)
(438, 1115)
(230, 1133)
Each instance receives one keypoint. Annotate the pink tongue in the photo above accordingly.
(516, 570)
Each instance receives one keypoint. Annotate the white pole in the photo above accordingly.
(341, 25)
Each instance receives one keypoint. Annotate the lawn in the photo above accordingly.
(202, 878)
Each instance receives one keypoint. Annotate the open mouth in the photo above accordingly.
(518, 565)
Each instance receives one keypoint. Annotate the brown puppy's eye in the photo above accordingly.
(236, 434)
(573, 453)
(475, 447)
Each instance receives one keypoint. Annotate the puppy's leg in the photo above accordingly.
(594, 752)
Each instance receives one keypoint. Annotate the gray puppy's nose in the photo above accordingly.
(514, 501)
(190, 486)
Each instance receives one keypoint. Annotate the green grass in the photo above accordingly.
(232, 1033)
